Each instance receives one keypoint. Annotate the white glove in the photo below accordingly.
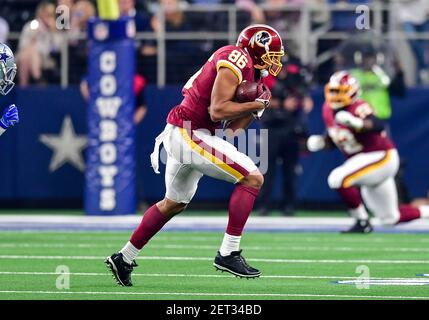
(315, 143)
(258, 114)
(349, 120)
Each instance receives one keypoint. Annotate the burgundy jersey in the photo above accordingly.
(197, 91)
(350, 141)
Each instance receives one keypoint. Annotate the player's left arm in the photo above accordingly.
(235, 127)
(363, 119)
(9, 119)
(223, 107)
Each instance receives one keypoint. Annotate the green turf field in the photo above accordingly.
(178, 265)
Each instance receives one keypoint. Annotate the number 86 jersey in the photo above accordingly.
(194, 107)
(352, 142)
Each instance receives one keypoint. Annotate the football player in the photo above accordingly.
(7, 74)
(372, 159)
(194, 151)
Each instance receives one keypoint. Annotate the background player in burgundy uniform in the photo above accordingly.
(372, 159)
(193, 150)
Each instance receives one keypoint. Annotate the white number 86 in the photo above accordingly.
(238, 58)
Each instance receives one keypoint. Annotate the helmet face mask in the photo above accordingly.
(273, 61)
(7, 69)
(265, 47)
(341, 90)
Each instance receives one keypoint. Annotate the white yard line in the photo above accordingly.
(183, 275)
(211, 294)
(385, 261)
(178, 275)
(386, 282)
(214, 247)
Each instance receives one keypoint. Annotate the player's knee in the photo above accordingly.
(254, 180)
(335, 180)
(389, 220)
(170, 208)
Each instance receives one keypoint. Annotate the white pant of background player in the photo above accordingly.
(194, 153)
(374, 172)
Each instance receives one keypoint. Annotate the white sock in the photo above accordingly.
(129, 252)
(229, 244)
(359, 213)
(424, 212)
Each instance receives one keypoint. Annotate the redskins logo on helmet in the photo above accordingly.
(342, 90)
(264, 46)
(261, 38)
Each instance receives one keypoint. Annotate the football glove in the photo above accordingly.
(315, 143)
(10, 117)
(347, 119)
(264, 98)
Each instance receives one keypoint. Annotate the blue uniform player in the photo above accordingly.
(7, 73)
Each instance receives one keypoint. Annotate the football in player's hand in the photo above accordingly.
(247, 91)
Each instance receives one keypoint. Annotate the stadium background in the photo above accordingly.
(46, 239)
(178, 54)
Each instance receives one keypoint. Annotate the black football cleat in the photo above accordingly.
(361, 226)
(236, 265)
(120, 269)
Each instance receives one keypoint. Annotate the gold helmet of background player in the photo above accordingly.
(342, 90)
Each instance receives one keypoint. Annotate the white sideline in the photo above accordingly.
(385, 261)
(58, 222)
(284, 295)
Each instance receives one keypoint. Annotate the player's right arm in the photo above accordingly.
(222, 106)
(9, 119)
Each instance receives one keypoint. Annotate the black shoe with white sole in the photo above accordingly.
(361, 226)
(120, 269)
(235, 264)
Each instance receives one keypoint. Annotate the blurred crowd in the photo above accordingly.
(42, 25)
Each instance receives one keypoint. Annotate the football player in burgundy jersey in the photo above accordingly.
(193, 150)
(372, 159)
